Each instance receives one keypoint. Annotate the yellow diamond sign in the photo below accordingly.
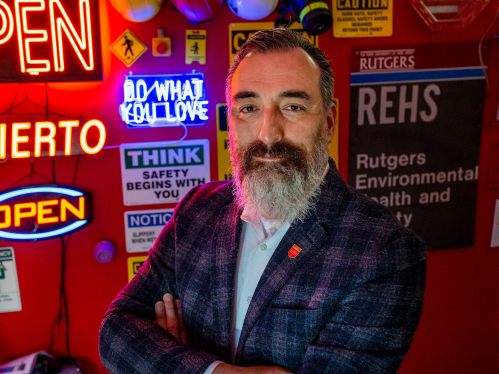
(128, 48)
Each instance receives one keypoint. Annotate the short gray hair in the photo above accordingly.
(284, 40)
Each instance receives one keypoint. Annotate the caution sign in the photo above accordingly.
(362, 18)
(128, 48)
(159, 172)
(134, 264)
(10, 298)
(333, 146)
(224, 166)
(240, 32)
(195, 46)
(142, 228)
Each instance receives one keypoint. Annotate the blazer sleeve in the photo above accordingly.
(130, 341)
(373, 325)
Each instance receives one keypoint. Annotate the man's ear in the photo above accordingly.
(331, 116)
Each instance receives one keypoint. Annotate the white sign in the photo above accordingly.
(142, 228)
(159, 173)
(495, 228)
(10, 298)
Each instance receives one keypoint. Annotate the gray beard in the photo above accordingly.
(281, 193)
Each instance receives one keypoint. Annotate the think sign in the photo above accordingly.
(49, 41)
(43, 212)
(164, 100)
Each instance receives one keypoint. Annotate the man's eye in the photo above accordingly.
(248, 109)
(294, 107)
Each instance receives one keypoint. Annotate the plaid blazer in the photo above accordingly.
(349, 302)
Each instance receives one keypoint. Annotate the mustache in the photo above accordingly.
(291, 155)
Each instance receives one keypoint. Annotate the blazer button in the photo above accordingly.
(263, 247)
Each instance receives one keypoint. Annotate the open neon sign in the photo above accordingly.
(49, 41)
(43, 212)
(164, 100)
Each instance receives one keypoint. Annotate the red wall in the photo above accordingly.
(459, 330)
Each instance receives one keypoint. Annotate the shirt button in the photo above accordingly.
(248, 300)
(263, 247)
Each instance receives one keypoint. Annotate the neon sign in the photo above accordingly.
(49, 41)
(43, 212)
(164, 100)
(45, 138)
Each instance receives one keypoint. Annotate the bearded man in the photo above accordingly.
(285, 269)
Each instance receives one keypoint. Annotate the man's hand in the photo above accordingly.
(169, 317)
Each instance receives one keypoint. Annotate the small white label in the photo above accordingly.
(495, 228)
(10, 298)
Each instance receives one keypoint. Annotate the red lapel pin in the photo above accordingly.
(293, 252)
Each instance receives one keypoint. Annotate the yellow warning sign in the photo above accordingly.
(224, 165)
(333, 146)
(128, 48)
(240, 32)
(134, 263)
(195, 46)
(362, 18)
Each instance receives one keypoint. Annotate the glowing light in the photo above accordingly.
(83, 136)
(39, 138)
(42, 211)
(19, 214)
(25, 57)
(68, 125)
(16, 139)
(7, 19)
(8, 220)
(44, 235)
(3, 140)
(65, 206)
(79, 43)
(26, 191)
(164, 100)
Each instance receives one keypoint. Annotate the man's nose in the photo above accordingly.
(271, 130)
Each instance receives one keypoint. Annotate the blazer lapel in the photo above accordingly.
(227, 234)
(307, 236)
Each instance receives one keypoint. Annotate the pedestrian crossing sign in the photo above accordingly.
(128, 48)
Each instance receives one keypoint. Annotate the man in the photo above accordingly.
(286, 269)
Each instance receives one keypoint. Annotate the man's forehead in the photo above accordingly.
(291, 70)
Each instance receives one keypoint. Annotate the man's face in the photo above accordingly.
(279, 133)
(275, 97)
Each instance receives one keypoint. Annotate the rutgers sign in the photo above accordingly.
(43, 212)
(49, 41)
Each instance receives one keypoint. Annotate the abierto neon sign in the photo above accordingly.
(23, 143)
(49, 40)
(164, 100)
(43, 212)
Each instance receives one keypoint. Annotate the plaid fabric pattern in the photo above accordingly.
(349, 302)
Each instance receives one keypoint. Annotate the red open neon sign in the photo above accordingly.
(49, 41)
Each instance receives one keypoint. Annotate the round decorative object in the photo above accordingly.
(252, 9)
(137, 10)
(104, 251)
(198, 11)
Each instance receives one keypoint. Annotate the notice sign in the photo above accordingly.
(10, 298)
(362, 18)
(159, 172)
(142, 228)
(415, 129)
